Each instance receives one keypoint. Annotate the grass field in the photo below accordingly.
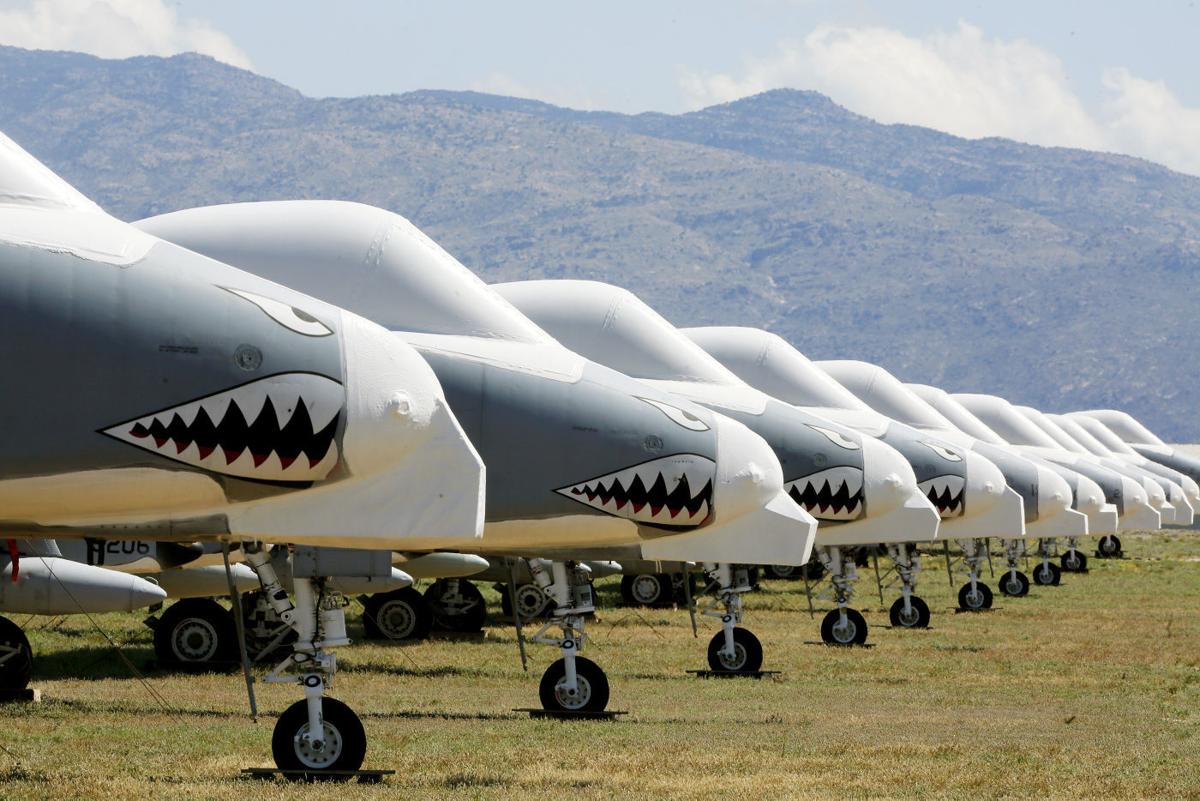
(1091, 689)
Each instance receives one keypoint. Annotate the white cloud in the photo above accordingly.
(114, 29)
(967, 84)
(499, 83)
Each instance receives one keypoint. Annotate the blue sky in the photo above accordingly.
(1117, 76)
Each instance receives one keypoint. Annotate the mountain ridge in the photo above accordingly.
(1053, 276)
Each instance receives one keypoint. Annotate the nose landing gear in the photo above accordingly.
(733, 649)
(573, 683)
(316, 734)
(909, 610)
(842, 626)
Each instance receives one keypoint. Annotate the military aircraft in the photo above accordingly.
(860, 490)
(169, 397)
(1144, 442)
(968, 490)
(582, 461)
(1165, 495)
(1134, 508)
(1045, 496)
(1182, 491)
(35, 579)
(1087, 496)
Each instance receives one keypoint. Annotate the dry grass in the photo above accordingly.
(1091, 689)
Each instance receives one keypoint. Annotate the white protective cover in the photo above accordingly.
(887, 395)
(613, 326)
(411, 472)
(770, 364)
(1028, 438)
(378, 264)
(1128, 431)
(1069, 435)
(1089, 496)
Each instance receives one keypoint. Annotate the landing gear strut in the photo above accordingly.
(316, 734)
(1014, 583)
(909, 611)
(974, 595)
(842, 626)
(733, 649)
(573, 683)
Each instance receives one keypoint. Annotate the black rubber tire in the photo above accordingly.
(984, 601)
(855, 635)
(397, 615)
(1078, 565)
(196, 635)
(920, 614)
(593, 685)
(351, 745)
(748, 650)
(524, 593)
(1047, 574)
(16, 672)
(1109, 547)
(783, 572)
(647, 589)
(467, 616)
(1013, 587)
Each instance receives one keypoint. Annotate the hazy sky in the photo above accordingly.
(1121, 76)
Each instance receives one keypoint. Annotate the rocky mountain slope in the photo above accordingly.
(1055, 277)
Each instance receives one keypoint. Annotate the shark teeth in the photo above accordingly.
(279, 428)
(671, 491)
(946, 493)
(833, 494)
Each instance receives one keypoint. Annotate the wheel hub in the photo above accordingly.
(397, 620)
(318, 755)
(909, 617)
(573, 699)
(844, 632)
(737, 661)
(646, 589)
(195, 640)
(974, 599)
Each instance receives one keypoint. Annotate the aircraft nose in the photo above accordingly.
(1054, 494)
(984, 486)
(888, 478)
(1138, 513)
(399, 425)
(748, 473)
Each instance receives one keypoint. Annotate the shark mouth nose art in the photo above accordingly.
(671, 491)
(279, 428)
(946, 493)
(833, 494)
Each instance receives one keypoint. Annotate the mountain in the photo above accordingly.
(1055, 277)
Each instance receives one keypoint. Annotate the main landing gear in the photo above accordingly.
(909, 610)
(1013, 582)
(316, 734)
(573, 683)
(842, 626)
(733, 649)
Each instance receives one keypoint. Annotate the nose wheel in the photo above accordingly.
(844, 627)
(975, 597)
(1014, 584)
(1074, 562)
(916, 616)
(1047, 574)
(747, 655)
(1109, 547)
(342, 746)
(589, 692)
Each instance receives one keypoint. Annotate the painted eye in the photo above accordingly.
(289, 317)
(945, 453)
(837, 438)
(678, 416)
